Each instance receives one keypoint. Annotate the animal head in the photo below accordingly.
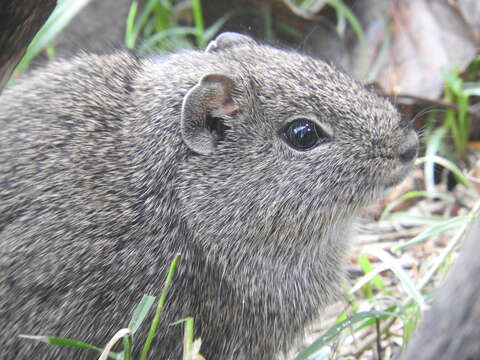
(279, 136)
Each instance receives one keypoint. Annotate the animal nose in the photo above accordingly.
(409, 150)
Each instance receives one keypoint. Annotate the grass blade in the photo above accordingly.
(141, 312)
(198, 20)
(382, 57)
(397, 269)
(60, 17)
(158, 313)
(435, 230)
(119, 335)
(148, 9)
(415, 220)
(448, 165)
(343, 10)
(188, 335)
(335, 331)
(127, 348)
(410, 195)
(433, 145)
(369, 276)
(53, 340)
(130, 35)
(149, 43)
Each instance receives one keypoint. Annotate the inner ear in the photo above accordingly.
(217, 127)
(204, 109)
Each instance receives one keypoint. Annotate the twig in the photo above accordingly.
(379, 338)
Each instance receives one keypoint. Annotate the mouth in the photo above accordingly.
(400, 173)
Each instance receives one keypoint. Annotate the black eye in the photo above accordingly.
(303, 134)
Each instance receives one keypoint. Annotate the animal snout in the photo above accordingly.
(409, 149)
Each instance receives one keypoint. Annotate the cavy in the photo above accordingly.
(250, 161)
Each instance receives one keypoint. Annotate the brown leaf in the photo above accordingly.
(426, 37)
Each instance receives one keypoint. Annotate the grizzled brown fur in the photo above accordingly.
(109, 165)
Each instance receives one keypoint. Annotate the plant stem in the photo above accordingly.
(199, 26)
(158, 312)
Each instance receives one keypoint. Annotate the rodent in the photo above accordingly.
(250, 161)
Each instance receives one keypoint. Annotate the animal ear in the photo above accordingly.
(202, 109)
(227, 40)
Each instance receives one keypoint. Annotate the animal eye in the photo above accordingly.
(303, 134)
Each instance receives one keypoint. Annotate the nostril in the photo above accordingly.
(409, 153)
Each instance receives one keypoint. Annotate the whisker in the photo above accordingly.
(428, 110)
(303, 43)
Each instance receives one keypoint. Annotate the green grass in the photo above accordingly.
(343, 13)
(357, 319)
(64, 12)
(158, 312)
(154, 25)
(451, 139)
(457, 122)
(157, 28)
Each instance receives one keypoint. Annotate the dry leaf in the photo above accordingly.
(424, 39)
